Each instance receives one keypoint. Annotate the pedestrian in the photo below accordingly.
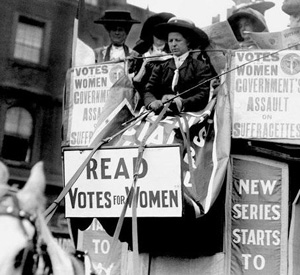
(247, 20)
(118, 24)
(182, 73)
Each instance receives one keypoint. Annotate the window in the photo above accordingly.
(29, 40)
(18, 131)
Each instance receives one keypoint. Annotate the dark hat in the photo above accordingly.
(146, 36)
(116, 16)
(187, 28)
(151, 22)
(142, 46)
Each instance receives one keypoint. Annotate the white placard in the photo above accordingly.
(102, 188)
(265, 90)
(87, 91)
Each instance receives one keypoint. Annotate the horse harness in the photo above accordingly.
(28, 258)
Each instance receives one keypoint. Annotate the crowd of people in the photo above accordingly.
(168, 62)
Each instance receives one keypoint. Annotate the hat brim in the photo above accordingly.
(114, 21)
(259, 6)
(198, 37)
(142, 46)
(151, 22)
(236, 16)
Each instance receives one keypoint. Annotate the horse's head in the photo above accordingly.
(18, 210)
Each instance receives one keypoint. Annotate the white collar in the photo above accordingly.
(180, 59)
(157, 48)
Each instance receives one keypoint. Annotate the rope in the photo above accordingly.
(51, 209)
(230, 70)
(207, 80)
(49, 212)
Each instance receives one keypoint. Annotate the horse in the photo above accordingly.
(27, 245)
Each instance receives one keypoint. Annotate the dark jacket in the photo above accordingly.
(191, 73)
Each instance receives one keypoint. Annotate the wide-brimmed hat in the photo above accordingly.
(259, 6)
(146, 35)
(256, 16)
(187, 28)
(151, 22)
(116, 16)
(250, 13)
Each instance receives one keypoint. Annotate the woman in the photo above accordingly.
(149, 46)
(148, 52)
(181, 75)
(247, 20)
(118, 24)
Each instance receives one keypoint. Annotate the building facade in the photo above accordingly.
(35, 54)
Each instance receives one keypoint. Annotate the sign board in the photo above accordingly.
(103, 186)
(87, 89)
(257, 216)
(265, 93)
(97, 242)
(288, 38)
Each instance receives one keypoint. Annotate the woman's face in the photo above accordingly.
(158, 42)
(177, 43)
(246, 24)
(117, 35)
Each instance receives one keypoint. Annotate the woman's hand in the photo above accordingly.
(176, 105)
(156, 106)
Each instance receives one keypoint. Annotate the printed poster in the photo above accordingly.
(103, 186)
(257, 216)
(87, 89)
(98, 243)
(286, 39)
(265, 95)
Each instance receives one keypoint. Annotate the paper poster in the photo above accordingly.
(257, 216)
(265, 95)
(102, 188)
(87, 89)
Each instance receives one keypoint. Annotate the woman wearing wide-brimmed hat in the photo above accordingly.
(182, 72)
(149, 45)
(247, 20)
(118, 24)
(150, 51)
(147, 38)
